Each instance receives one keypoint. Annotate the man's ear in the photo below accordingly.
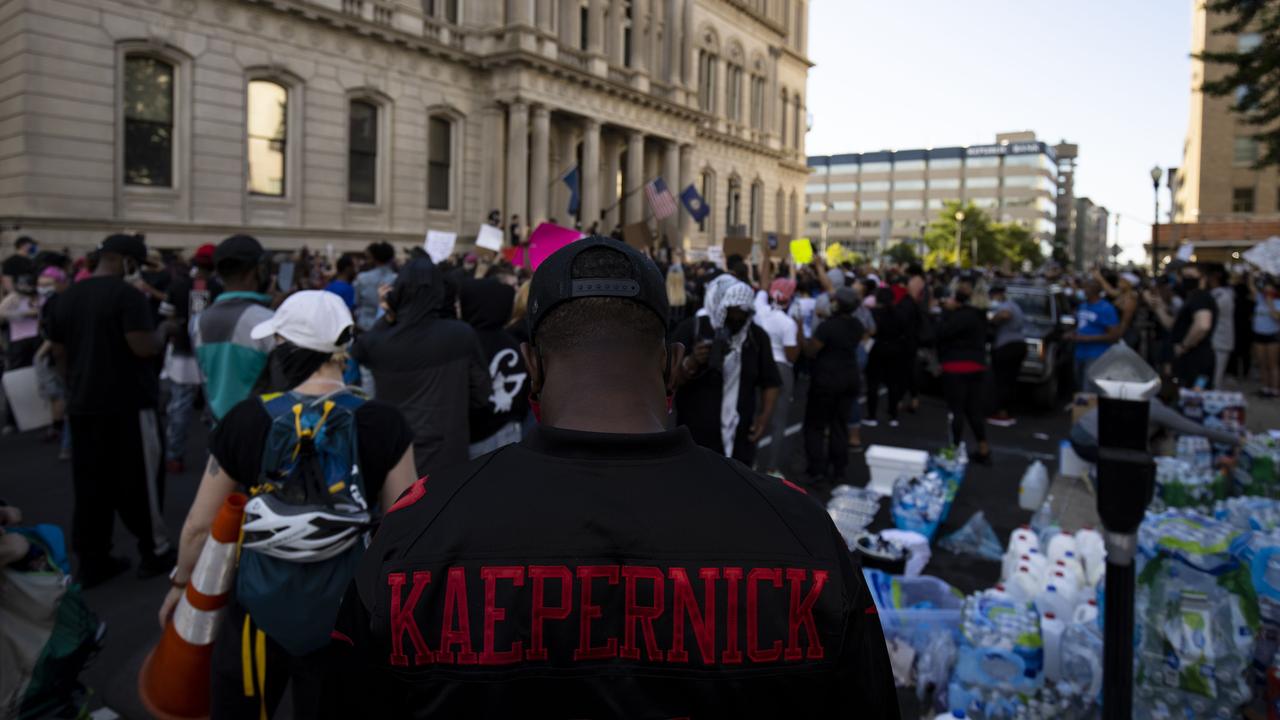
(532, 362)
(675, 356)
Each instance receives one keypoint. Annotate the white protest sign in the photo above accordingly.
(490, 238)
(715, 254)
(439, 245)
(1185, 251)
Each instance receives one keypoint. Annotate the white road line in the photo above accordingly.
(765, 441)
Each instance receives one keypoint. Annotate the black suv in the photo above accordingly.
(1050, 357)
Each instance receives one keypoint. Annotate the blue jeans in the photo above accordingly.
(182, 400)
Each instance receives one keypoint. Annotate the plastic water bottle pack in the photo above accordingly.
(852, 509)
(1194, 616)
(919, 503)
(1181, 483)
(1001, 660)
(1258, 514)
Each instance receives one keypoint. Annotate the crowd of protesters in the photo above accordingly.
(132, 347)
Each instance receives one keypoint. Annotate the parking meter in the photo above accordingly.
(1126, 481)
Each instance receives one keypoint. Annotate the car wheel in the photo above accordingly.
(1046, 393)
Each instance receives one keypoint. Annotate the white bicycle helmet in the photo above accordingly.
(301, 533)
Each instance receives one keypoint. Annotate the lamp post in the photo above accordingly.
(959, 236)
(1156, 172)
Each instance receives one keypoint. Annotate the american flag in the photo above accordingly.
(660, 199)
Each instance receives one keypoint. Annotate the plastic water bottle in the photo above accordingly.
(1068, 593)
(1093, 552)
(1087, 612)
(1070, 567)
(1059, 546)
(1049, 600)
(1051, 629)
(1035, 484)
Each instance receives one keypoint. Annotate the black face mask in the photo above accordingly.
(1188, 286)
(735, 325)
(962, 298)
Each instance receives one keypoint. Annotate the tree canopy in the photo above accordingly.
(996, 243)
(1253, 73)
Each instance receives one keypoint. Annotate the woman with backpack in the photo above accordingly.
(317, 460)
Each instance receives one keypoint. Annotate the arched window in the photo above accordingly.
(797, 126)
(439, 162)
(757, 101)
(707, 62)
(268, 141)
(733, 206)
(786, 111)
(148, 121)
(780, 211)
(733, 92)
(708, 197)
(795, 215)
(755, 225)
(362, 152)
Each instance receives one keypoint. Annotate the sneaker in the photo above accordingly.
(159, 564)
(1001, 421)
(99, 571)
(870, 423)
(893, 423)
(174, 467)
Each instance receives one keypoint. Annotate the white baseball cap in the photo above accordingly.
(313, 319)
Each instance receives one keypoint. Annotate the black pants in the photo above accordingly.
(316, 678)
(826, 432)
(963, 392)
(1006, 362)
(116, 467)
(890, 368)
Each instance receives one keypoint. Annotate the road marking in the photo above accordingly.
(765, 441)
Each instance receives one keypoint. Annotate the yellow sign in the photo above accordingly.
(802, 251)
(837, 254)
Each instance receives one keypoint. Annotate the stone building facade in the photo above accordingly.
(338, 122)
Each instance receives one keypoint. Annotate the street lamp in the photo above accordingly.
(1156, 172)
(959, 236)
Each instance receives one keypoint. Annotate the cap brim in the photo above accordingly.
(264, 329)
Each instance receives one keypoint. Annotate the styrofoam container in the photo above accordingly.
(887, 464)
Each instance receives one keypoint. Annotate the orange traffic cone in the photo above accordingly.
(174, 680)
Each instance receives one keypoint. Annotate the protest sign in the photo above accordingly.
(547, 239)
(802, 251)
(489, 238)
(439, 245)
(738, 246)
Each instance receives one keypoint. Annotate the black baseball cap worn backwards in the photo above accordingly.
(127, 244)
(553, 283)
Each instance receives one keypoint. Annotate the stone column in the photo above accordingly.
(671, 175)
(634, 179)
(520, 14)
(614, 46)
(687, 48)
(589, 191)
(640, 36)
(517, 162)
(595, 39)
(686, 177)
(565, 157)
(612, 209)
(675, 43)
(546, 10)
(570, 19)
(539, 173)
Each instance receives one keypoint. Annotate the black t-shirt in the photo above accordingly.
(581, 574)
(15, 266)
(103, 375)
(239, 440)
(1200, 356)
(189, 297)
(835, 369)
(697, 402)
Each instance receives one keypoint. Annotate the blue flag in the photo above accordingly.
(571, 179)
(694, 203)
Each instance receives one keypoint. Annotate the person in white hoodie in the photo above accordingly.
(1224, 332)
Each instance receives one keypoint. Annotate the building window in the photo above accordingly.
(908, 184)
(584, 26)
(362, 153)
(844, 169)
(785, 111)
(439, 162)
(757, 102)
(708, 196)
(1242, 200)
(757, 209)
(908, 165)
(733, 207)
(733, 92)
(794, 225)
(627, 24)
(1244, 151)
(982, 182)
(944, 183)
(1248, 42)
(148, 121)
(875, 186)
(268, 109)
(707, 81)
(943, 163)
(799, 108)
(779, 210)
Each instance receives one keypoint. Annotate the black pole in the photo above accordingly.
(1155, 221)
(1126, 480)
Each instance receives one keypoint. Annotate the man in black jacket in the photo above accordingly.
(607, 566)
(486, 306)
(430, 367)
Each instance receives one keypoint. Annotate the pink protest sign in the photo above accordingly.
(547, 239)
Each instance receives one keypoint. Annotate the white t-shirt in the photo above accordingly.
(781, 330)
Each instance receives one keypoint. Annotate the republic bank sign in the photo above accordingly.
(1017, 148)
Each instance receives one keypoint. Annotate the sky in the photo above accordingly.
(1112, 77)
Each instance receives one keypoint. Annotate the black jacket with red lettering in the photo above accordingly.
(585, 575)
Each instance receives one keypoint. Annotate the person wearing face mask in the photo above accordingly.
(231, 361)
(106, 345)
(1189, 353)
(730, 361)
(20, 311)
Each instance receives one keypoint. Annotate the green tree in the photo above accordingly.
(1254, 73)
(1017, 245)
(940, 237)
(902, 254)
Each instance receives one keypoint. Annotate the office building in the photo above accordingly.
(1089, 247)
(339, 122)
(871, 201)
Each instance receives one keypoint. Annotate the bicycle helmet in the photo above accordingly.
(301, 533)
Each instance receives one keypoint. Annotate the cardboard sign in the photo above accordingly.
(439, 245)
(802, 251)
(547, 239)
(738, 246)
(490, 238)
(715, 254)
(637, 235)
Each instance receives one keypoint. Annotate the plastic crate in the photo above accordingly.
(897, 599)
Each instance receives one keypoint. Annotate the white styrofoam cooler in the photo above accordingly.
(887, 464)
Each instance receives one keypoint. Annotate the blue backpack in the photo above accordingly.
(305, 526)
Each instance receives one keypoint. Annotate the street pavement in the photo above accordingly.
(33, 479)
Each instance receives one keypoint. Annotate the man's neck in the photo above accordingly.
(611, 403)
